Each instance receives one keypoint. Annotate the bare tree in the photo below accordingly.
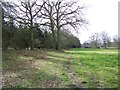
(115, 40)
(47, 18)
(109, 41)
(26, 13)
(105, 38)
(61, 15)
(95, 40)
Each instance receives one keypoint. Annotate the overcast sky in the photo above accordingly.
(102, 16)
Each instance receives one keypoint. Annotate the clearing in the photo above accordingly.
(86, 68)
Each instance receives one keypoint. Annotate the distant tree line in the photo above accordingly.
(101, 40)
(45, 25)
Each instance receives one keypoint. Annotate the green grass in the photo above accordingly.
(34, 69)
(47, 68)
(96, 65)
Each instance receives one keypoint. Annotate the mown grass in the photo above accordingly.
(47, 68)
(97, 67)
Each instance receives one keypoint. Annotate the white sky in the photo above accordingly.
(102, 16)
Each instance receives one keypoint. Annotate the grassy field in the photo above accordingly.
(48, 68)
(97, 67)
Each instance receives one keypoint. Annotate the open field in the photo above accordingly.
(98, 67)
(87, 68)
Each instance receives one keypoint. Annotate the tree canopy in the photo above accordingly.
(46, 24)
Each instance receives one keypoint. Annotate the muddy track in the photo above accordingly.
(77, 82)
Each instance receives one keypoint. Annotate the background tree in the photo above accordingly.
(105, 38)
(109, 42)
(8, 26)
(115, 40)
(21, 39)
(95, 40)
(67, 40)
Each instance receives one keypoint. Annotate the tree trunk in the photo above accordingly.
(32, 39)
(105, 45)
(58, 40)
(57, 46)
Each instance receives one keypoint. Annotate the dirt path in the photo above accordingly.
(77, 83)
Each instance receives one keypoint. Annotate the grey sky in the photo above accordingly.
(102, 15)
